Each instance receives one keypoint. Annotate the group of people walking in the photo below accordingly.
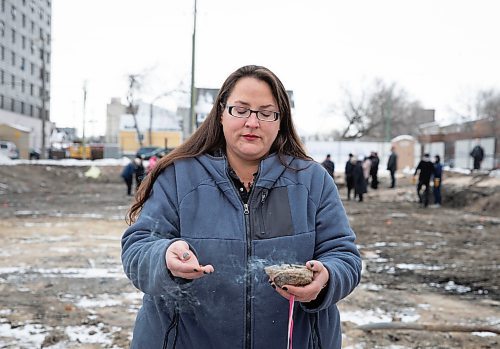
(361, 172)
(427, 172)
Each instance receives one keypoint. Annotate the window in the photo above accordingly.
(12, 104)
(24, 20)
(13, 36)
(13, 81)
(32, 27)
(2, 77)
(13, 58)
(23, 86)
(2, 52)
(31, 109)
(41, 33)
(3, 5)
(32, 47)
(2, 28)
(1, 102)
(23, 40)
(32, 68)
(13, 12)
(23, 63)
(32, 89)
(22, 107)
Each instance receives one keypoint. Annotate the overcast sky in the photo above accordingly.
(440, 51)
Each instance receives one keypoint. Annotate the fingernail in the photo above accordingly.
(185, 255)
(284, 288)
(311, 264)
(196, 270)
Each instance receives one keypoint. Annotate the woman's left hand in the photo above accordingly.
(309, 292)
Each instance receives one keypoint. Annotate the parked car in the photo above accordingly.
(9, 149)
(34, 154)
(146, 152)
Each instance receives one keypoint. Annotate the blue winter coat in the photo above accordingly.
(292, 216)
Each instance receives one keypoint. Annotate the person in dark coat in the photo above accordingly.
(349, 179)
(438, 179)
(392, 166)
(329, 165)
(359, 179)
(477, 154)
(426, 171)
(128, 176)
(374, 169)
(139, 172)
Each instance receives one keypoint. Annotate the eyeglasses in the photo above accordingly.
(262, 115)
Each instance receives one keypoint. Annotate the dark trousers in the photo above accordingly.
(437, 194)
(128, 182)
(423, 197)
(477, 164)
(374, 183)
(350, 186)
(393, 178)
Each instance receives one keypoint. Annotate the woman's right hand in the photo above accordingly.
(182, 262)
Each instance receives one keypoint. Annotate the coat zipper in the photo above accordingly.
(248, 303)
(248, 278)
(172, 326)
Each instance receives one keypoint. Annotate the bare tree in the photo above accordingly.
(488, 103)
(134, 85)
(380, 113)
(477, 105)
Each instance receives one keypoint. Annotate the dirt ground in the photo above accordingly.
(62, 284)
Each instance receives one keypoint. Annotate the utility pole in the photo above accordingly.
(84, 157)
(192, 116)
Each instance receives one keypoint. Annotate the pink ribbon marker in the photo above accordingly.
(290, 322)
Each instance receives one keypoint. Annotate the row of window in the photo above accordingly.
(22, 85)
(14, 60)
(14, 35)
(13, 10)
(20, 107)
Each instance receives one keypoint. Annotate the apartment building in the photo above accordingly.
(25, 55)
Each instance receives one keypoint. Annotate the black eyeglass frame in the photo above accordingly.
(257, 113)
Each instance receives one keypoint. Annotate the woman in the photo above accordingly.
(240, 194)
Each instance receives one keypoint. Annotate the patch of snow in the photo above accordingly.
(27, 336)
(419, 267)
(102, 301)
(90, 334)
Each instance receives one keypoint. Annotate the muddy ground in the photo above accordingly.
(62, 285)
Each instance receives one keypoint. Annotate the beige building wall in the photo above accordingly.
(114, 110)
(130, 145)
(21, 138)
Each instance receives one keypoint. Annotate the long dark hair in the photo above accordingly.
(209, 137)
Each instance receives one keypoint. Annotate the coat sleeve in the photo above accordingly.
(145, 242)
(335, 248)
